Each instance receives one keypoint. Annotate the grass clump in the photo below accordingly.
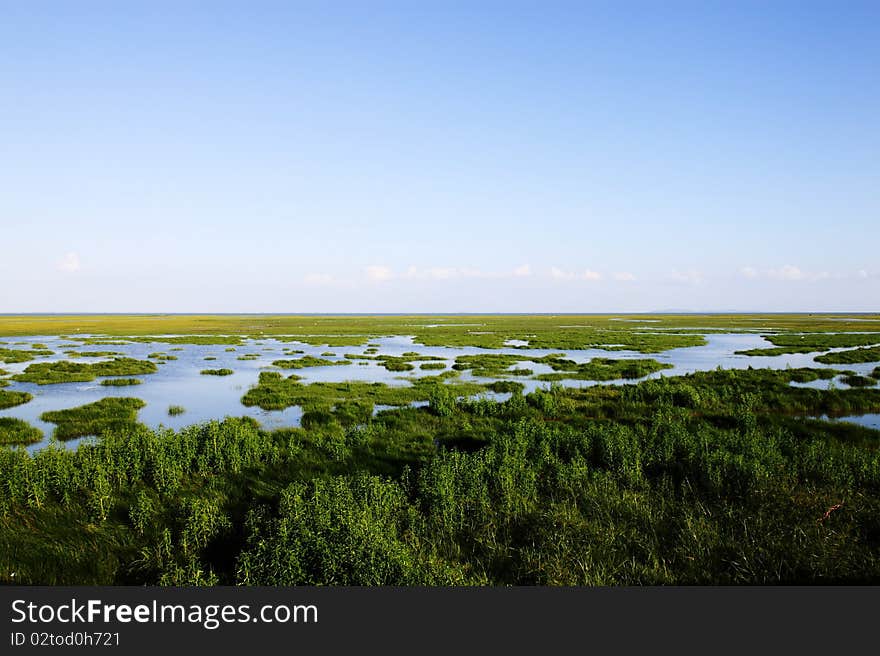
(502, 386)
(18, 431)
(249, 356)
(10, 399)
(92, 354)
(13, 356)
(109, 414)
(853, 356)
(275, 392)
(120, 382)
(855, 380)
(161, 356)
(778, 350)
(49, 373)
(217, 372)
(603, 369)
(209, 357)
(428, 366)
(308, 361)
(174, 410)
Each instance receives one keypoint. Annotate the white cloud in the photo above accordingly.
(378, 273)
(749, 272)
(558, 274)
(862, 274)
(624, 276)
(454, 273)
(69, 263)
(318, 279)
(791, 272)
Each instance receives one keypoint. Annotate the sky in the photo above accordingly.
(439, 157)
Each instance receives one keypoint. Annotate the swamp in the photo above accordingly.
(428, 450)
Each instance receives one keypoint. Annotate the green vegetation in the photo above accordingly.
(712, 478)
(602, 369)
(161, 356)
(91, 354)
(109, 414)
(778, 350)
(853, 356)
(876, 373)
(307, 361)
(494, 365)
(432, 365)
(505, 386)
(209, 357)
(49, 373)
(216, 372)
(249, 356)
(120, 382)
(817, 341)
(854, 380)
(400, 362)
(645, 333)
(275, 392)
(12, 356)
(328, 354)
(17, 431)
(10, 399)
(174, 410)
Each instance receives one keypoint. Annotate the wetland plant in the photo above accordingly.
(120, 382)
(217, 372)
(18, 431)
(108, 414)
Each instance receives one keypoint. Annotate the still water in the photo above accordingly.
(178, 382)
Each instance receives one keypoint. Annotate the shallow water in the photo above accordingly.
(178, 382)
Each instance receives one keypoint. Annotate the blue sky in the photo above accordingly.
(454, 156)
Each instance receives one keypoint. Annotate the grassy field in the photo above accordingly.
(646, 333)
(719, 477)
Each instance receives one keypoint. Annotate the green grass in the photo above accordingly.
(853, 356)
(432, 365)
(854, 380)
(249, 356)
(100, 417)
(13, 356)
(308, 361)
(400, 362)
(494, 365)
(715, 478)
(502, 386)
(161, 356)
(779, 350)
(49, 373)
(645, 333)
(9, 399)
(18, 431)
(217, 372)
(174, 410)
(120, 382)
(91, 354)
(275, 392)
(209, 357)
(822, 342)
